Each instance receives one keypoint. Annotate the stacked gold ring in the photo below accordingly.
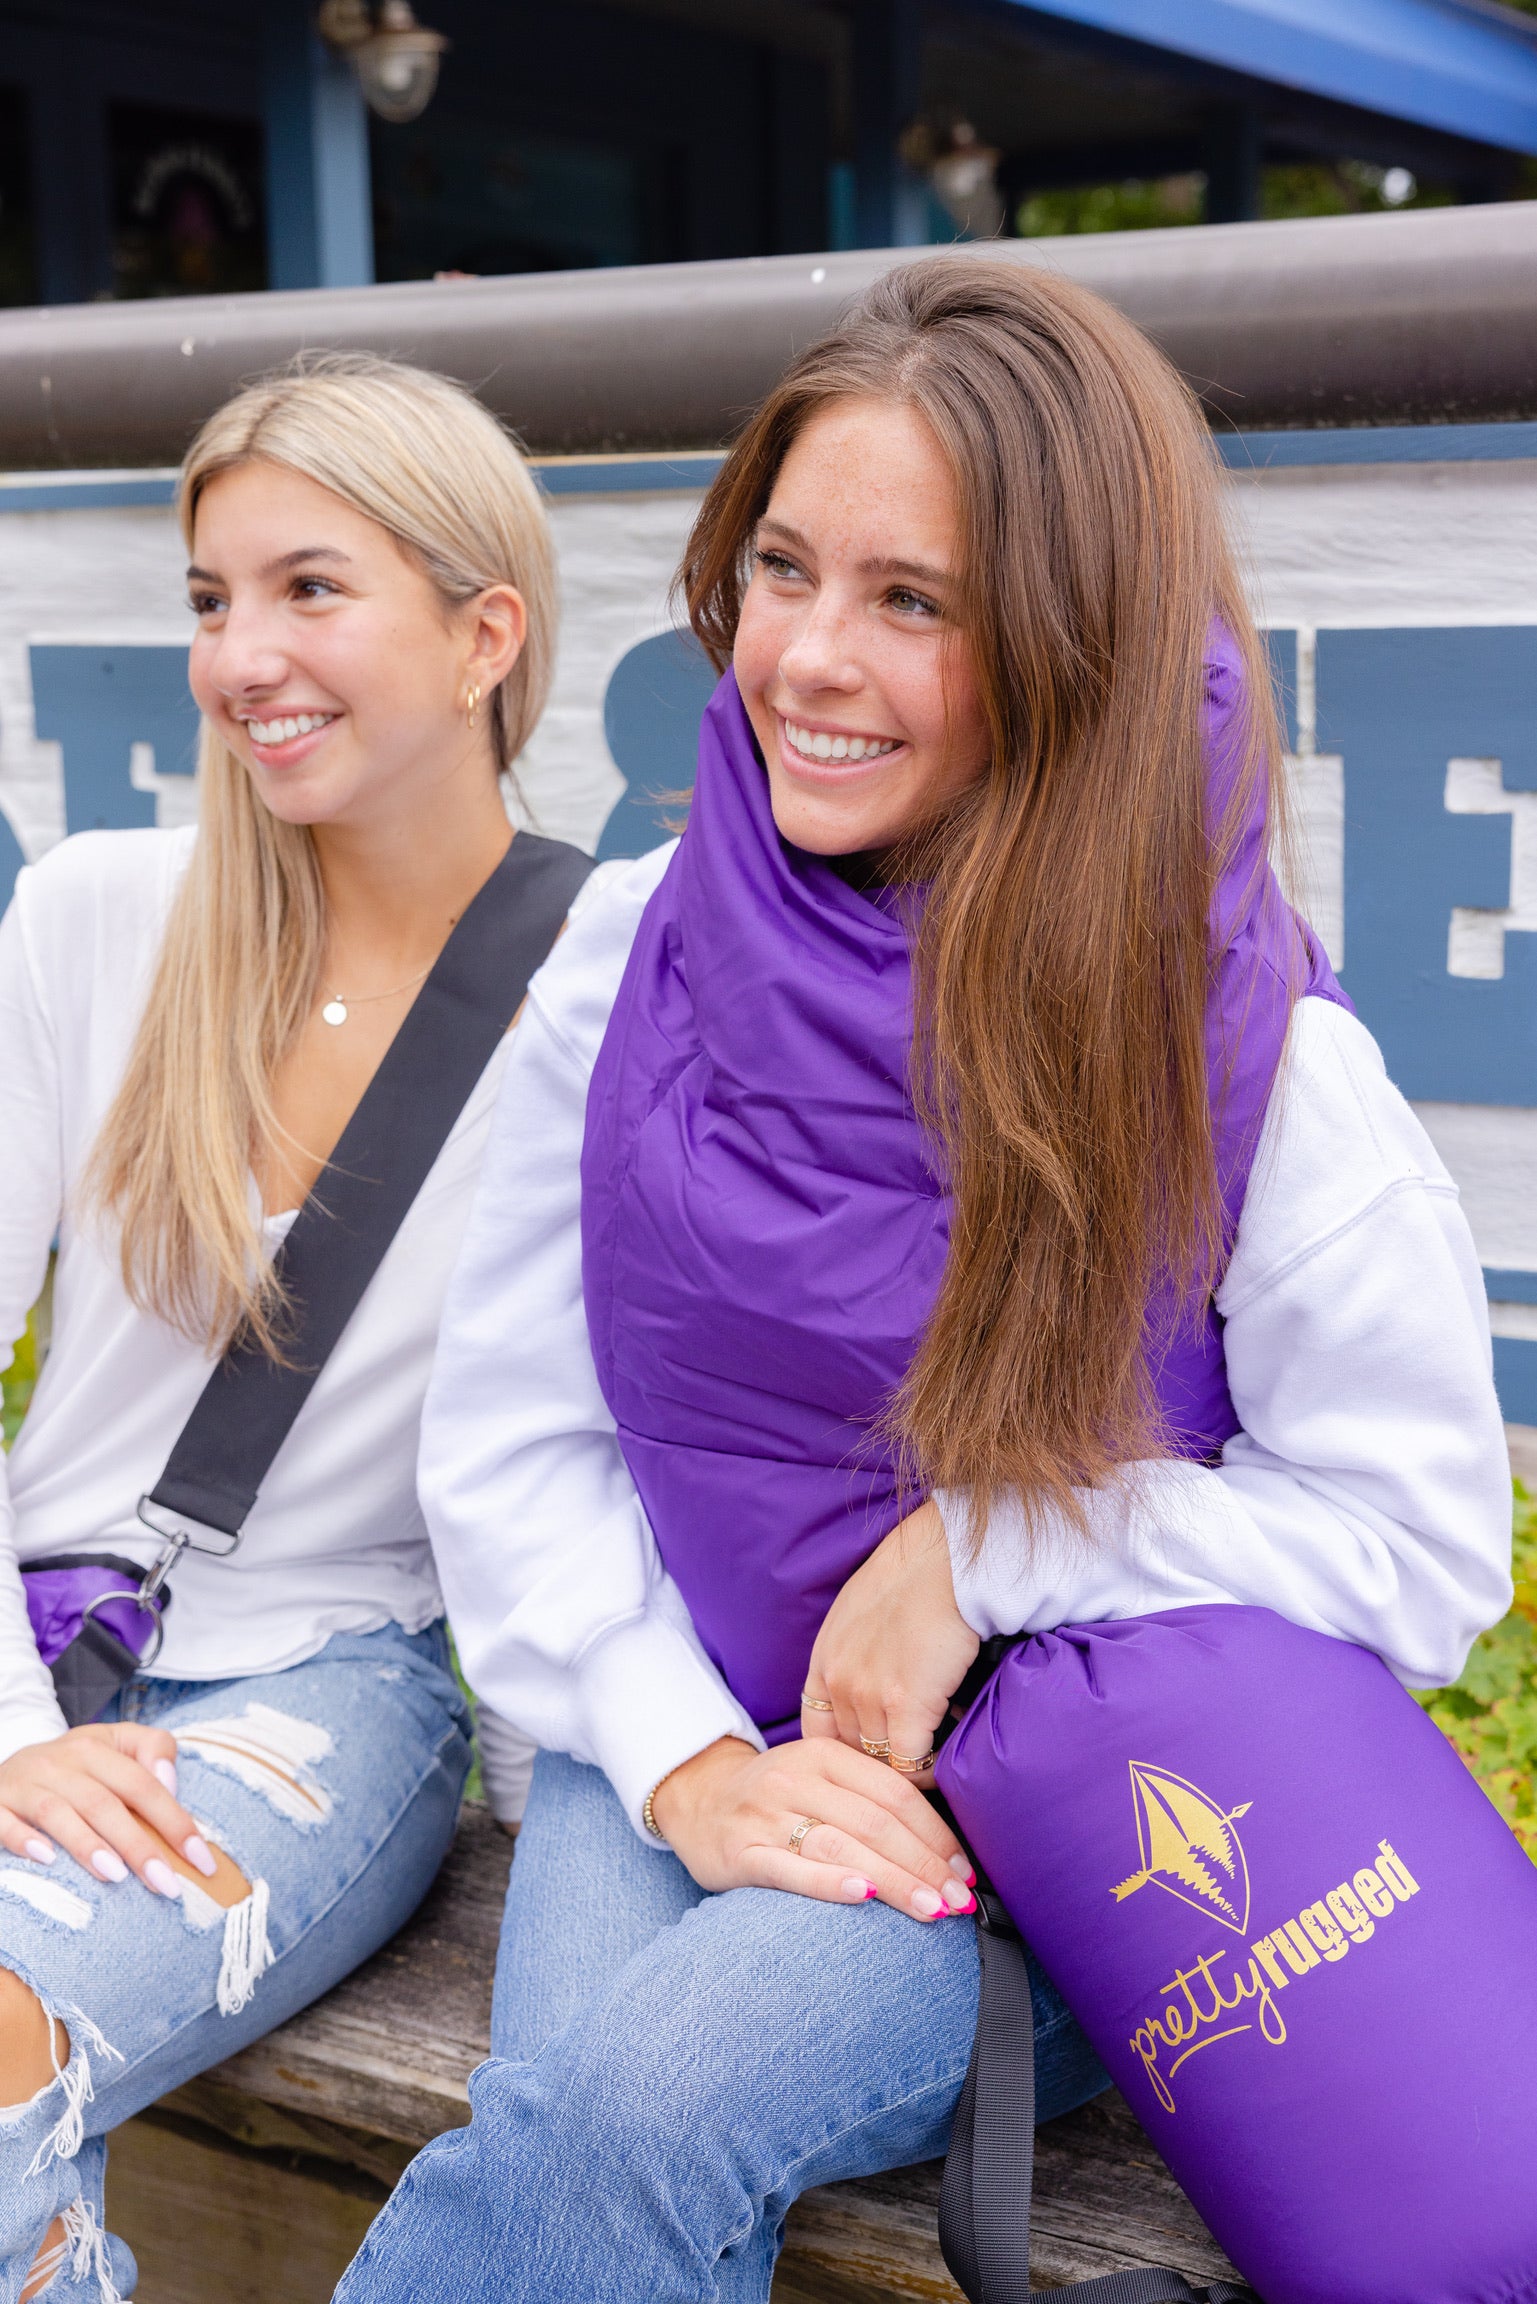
(806, 1824)
(814, 1703)
(876, 1751)
(908, 1767)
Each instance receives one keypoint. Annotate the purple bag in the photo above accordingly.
(1301, 1940)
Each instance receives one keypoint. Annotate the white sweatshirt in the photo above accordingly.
(335, 1542)
(1367, 1495)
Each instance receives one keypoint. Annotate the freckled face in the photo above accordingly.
(853, 670)
(323, 655)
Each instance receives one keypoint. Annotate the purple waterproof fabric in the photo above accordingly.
(1302, 1941)
(57, 1599)
(763, 1231)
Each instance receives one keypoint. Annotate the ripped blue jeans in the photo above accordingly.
(334, 1786)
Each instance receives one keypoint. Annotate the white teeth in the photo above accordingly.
(284, 731)
(821, 746)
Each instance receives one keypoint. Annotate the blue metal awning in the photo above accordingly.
(1457, 65)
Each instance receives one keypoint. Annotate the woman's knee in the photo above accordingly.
(34, 2045)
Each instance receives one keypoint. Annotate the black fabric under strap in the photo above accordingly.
(339, 1237)
(984, 2200)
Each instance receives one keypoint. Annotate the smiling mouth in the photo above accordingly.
(285, 729)
(822, 744)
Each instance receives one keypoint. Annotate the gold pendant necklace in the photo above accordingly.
(338, 1004)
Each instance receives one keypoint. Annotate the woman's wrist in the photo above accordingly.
(668, 1803)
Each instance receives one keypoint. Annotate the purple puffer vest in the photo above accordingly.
(763, 1232)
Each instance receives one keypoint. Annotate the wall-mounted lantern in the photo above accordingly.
(962, 172)
(394, 57)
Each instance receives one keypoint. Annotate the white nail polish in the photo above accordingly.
(196, 1851)
(40, 1852)
(159, 1876)
(108, 1866)
(166, 1771)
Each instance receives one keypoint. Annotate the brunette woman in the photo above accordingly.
(925, 1299)
(187, 1020)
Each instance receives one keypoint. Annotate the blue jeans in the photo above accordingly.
(672, 2069)
(334, 1786)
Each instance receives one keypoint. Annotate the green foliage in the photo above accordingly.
(1304, 188)
(17, 1382)
(1491, 1714)
(1135, 206)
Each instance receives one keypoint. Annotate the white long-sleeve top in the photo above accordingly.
(1367, 1495)
(335, 1542)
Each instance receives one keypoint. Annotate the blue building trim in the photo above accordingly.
(1507, 1287)
(1435, 62)
(636, 475)
(1515, 1379)
(689, 470)
(1380, 444)
(84, 492)
(320, 230)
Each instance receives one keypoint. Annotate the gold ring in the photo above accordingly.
(880, 1751)
(806, 1824)
(906, 1767)
(814, 1703)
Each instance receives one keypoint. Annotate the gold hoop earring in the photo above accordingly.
(472, 706)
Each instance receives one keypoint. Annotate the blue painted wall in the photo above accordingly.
(1396, 704)
(97, 703)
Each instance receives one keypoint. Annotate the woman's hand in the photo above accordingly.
(107, 1797)
(893, 1647)
(730, 1813)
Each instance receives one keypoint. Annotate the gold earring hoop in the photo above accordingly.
(472, 706)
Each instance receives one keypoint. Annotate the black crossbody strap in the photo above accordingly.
(340, 1235)
(984, 2199)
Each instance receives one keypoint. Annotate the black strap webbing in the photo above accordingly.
(984, 2200)
(338, 1239)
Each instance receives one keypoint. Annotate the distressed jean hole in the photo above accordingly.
(34, 2047)
(228, 1884)
(271, 1753)
(48, 2260)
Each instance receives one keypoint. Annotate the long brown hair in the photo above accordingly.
(1062, 964)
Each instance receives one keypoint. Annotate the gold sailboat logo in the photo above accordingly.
(1188, 1846)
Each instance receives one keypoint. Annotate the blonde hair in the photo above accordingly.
(240, 965)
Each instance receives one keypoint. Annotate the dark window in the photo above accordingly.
(18, 270)
(459, 194)
(187, 211)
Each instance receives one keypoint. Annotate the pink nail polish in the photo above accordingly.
(961, 1910)
(108, 1866)
(927, 1905)
(858, 1890)
(166, 1771)
(40, 1852)
(963, 1871)
(958, 1898)
(159, 1876)
(195, 1849)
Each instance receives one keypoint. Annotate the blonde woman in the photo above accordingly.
(187, 1021)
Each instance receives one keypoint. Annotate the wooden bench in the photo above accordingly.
(255, 2184)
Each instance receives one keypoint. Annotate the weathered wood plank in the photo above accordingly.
(1104, 2201)
(390, 2050)
(213, 2223)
